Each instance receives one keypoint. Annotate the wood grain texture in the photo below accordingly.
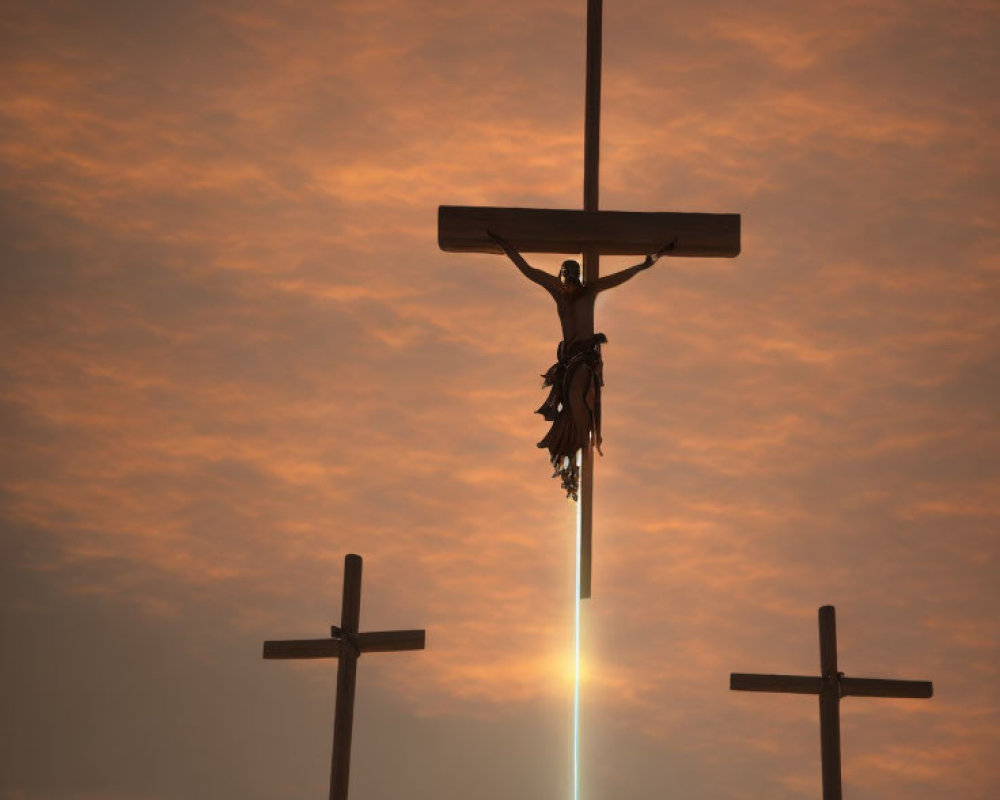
(786, 684)
(878, 687)
(531, 230)
(391, 641)
(347, 671)
(592, 106)
(829, 705)
(831, 685)
(586, 522)
(346, 644)
(303, 648)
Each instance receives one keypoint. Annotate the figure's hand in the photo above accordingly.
(666, 248)
(650, 260)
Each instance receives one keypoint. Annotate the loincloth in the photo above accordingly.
(573, 406)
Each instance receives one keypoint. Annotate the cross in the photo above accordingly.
(831, 685)
(590, 232)
(346, 644)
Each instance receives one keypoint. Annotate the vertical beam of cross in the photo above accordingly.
(347, 674)
(829, 704)
(592, 114)
(831, 686)
(346, 644)
(591, 261)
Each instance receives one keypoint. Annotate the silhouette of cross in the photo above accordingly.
(346, 644)
(590, 232)
(830, 685)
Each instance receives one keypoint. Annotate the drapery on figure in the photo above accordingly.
(575, 380)
(576, 376)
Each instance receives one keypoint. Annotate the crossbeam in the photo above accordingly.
(464, 229)
(848, 687)
(831, 686)
(375, 642)
(346, 644)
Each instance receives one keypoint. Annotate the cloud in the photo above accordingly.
(234, 353)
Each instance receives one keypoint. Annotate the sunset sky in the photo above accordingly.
(232, 353)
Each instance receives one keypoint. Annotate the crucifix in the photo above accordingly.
(574, 402)
(830, 685)
(346, 644)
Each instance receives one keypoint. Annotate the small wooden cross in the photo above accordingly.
(831, 685)
(590, 232)
(346, 644)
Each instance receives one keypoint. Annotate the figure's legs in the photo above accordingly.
(573, 403)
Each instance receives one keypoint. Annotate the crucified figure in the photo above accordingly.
(573, 405)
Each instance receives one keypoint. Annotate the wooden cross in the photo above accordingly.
(346, 644)
(831, 685)
(590, 232)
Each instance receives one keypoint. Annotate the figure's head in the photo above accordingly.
(569, 272)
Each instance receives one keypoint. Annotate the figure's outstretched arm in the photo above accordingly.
(540, 277)
(619, 278)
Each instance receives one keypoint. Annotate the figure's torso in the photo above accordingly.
(576, 311)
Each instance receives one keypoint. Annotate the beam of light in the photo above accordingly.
(576, 646)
